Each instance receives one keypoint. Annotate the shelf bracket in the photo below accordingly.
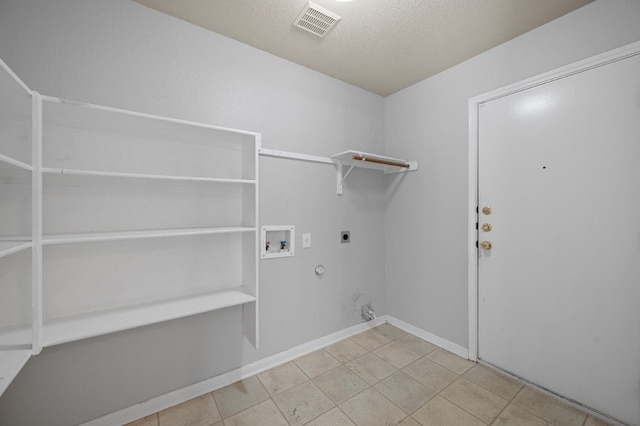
(342, 176)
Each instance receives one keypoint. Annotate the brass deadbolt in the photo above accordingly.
(486, 210)
(486, 227)
(486, 245)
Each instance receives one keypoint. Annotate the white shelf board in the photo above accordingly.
(135, 235)
(151, 117)
(376, 162)
(98, 323)
(11, 362)
(10, 247)
(17, 163)
(346, 158)
(76, 172)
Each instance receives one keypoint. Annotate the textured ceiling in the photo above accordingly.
(381, 46)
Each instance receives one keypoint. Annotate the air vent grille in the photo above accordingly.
(316, 19)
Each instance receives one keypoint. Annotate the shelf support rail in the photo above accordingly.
(294, 156)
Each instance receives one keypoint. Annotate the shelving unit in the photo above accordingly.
(118, 220)
(186, 245)
(367, 160)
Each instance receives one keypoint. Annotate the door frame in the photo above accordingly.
(474, 105)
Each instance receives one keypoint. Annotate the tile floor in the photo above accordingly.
(383, 376)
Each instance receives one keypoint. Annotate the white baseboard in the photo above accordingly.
(429, 337)
(170, 399)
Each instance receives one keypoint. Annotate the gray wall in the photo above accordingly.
(426, 216)
(121, 54)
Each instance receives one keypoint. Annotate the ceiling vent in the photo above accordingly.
(316, 19)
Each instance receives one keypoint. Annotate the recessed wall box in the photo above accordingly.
(277, 241)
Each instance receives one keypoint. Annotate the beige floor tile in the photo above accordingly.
(450, 361)
(430, 374)
(282, 377)
(370, 339)
(593, 421)
(340, 384)
(397, 355)
(151, 420)
(500, 384)
(346, 350)
(199, 411)
(516, 416)
(334, 417)
(549, 408)
(317, 362)
(404, 391)
(371, 368)
(239, 396)
(370, 408)
(416, 344)
(475, 399)
(440, 412)
(409, 422)
(303, 403)
(264, 414)
(389, 331)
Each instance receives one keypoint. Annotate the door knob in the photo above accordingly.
(486, 227)
(486, 245)
(486, 210)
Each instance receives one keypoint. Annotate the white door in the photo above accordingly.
(559, 290)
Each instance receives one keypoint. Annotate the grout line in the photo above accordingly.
(282, 413)
(509, 402)
(462, 408)
(214, 403)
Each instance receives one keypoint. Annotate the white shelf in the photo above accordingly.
(69, 329)
(95, 324)
(75, 172)
(12, 161)
(367, 160)
(10, 247)
(181, 173)
(135, 235)
(372, 161)
(11, 362)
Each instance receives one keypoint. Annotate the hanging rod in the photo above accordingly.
(378, 161)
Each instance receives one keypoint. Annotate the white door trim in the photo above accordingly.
(474, 103)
